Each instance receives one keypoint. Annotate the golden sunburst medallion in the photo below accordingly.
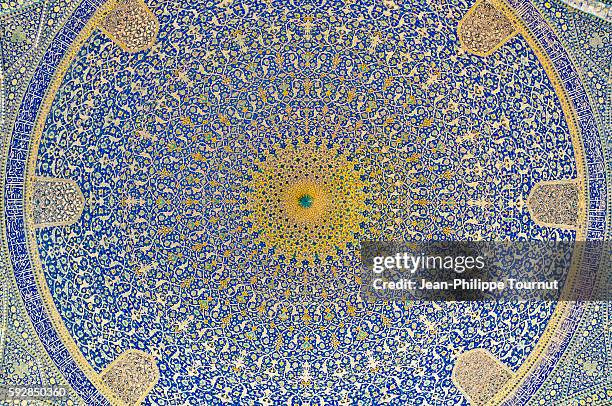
(306, 201)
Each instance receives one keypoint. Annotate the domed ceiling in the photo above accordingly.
(188, 184)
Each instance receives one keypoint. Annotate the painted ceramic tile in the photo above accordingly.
(186, 186)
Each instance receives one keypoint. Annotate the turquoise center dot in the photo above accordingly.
(305, 201)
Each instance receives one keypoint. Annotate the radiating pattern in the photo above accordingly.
(232, 156)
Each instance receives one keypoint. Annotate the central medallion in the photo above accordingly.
(307, 201)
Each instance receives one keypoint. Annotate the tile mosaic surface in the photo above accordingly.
(185, 186)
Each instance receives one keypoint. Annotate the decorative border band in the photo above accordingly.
(568, 314)
(14, 204)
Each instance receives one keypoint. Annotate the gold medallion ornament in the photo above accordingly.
(306, 201)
